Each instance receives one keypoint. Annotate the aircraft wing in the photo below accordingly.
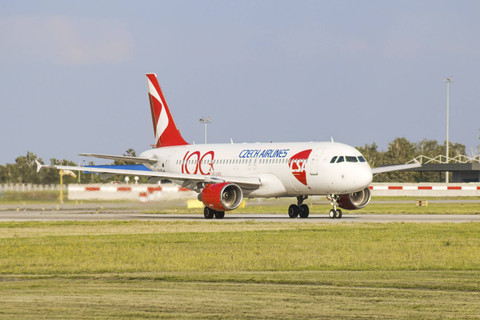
(119, 158)
(186, 179)
(399, 167)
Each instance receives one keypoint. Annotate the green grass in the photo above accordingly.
(248, 246)
(9, 197)
(232, 270)
(411, 208)
(254, 295)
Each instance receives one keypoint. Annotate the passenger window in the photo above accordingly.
(340, 159)
(351, 159)
(333, 159)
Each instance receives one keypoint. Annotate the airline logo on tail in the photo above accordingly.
(161, 118)
(164, 128)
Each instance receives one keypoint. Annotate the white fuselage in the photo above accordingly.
(284, 169)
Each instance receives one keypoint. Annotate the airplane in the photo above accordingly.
(224, 174)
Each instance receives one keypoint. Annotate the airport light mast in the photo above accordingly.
(447, 81)
(205, 121)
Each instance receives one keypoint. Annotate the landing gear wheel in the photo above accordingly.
(332, 214)
(208, 213)
(219, 214)
(304, 211)
(338, 214)
(293, 211)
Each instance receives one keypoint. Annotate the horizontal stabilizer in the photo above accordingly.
(119, 158)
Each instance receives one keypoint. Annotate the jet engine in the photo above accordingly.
(221, 196)
(354, 201)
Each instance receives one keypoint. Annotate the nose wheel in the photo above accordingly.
(299, 209)
(334, 213)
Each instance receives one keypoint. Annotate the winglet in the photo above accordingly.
(39, 165)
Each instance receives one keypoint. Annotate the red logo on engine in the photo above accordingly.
(196, 163)
(297, 164)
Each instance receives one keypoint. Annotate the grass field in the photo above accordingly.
(29, 196)
(236, 270)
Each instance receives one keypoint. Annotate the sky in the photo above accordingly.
(72, 74)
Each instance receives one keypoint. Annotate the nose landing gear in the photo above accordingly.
(334, 213)
(299, 209)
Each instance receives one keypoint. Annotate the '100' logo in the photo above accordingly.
(195, 163)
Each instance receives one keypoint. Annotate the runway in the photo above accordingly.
(106, 214)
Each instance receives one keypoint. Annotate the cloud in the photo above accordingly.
(62, 39)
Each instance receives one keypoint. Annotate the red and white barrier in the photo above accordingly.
(142, 192)
(147, 192)
(425, 189)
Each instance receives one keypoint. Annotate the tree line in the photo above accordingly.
(402, 151)
(24, 170)
(399, 151)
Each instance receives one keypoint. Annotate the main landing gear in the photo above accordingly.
(334, 213)
(299, 209)
(210, 213)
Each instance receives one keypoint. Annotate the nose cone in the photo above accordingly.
(365, 176)
(357, 178)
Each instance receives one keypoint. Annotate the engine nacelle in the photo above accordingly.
(221, 196)
(356, 200)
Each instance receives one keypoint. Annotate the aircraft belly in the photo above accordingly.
(271, 186)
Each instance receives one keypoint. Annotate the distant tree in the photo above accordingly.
(402, 151)
(430, 149)
(48, 175)
(456, 149)
(3, 174)
(128, 153)
(24, 170)
(53, 175)
(371, 154)
(399, 151)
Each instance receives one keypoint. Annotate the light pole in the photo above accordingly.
(205, 121)
(447, 81)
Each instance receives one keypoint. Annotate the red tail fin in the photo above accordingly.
(166, 132)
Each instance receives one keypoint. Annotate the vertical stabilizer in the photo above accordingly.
(164, 128)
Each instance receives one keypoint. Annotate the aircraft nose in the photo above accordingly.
(364, 177)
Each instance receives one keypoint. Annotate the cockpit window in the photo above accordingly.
(351, 159)
(340, 159)
(362, 159)
(333, 159)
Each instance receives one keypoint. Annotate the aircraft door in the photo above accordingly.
(163, 165)
(315, 161)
